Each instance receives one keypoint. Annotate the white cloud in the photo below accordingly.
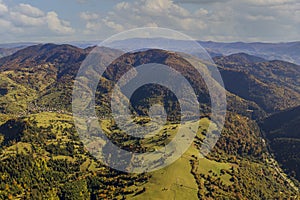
(200, 1)
(122, 5)
(225, 20)
(156, 5)
(269, 2)
(3, 9)
(260, 17)
(201, 12)
(267, 20)
(162, 13)
(88, 16)
(161, 7)
(58, 26)
(4, 24)
(25, 15)
(25, 19)
(8, 29)
(115, 26)
(228, 20)
(288, 12)
(20, 19)
(92, 21)
(151, 24)
(29, 10)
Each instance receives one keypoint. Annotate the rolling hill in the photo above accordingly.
(39, 140)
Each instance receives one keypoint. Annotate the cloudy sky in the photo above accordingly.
(90, 20)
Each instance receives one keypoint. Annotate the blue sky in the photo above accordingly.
(90, 20)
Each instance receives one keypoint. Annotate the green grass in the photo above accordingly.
(60, 157)
(84, 166)
(17, 97)
(176, 181)
(57, 121)
(209, 167)
(44, 119)
(172, 182)
(18, 148)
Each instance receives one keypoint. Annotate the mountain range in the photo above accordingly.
(39, 140)
(271, 51)
(288, 51)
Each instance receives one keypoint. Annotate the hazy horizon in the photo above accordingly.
(97, 42)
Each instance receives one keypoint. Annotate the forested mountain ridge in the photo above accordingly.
(39, 141)
(249, 77)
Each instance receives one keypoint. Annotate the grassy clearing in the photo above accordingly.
(60, 157)
(19, 148)
(172, 182)
(84, 166)
(210, 167)
(57, 123)
(176, 181)
(44, 119)
(17, 96)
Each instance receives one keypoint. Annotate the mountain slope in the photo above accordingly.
(45, 146)
(46, 72)
(273, 85)
(282, 131)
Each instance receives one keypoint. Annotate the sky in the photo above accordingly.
(95, 20)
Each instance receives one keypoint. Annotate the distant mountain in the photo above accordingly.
(8, 51)
(10, 48)
(271, 51)
(273, 85)
(83, 45)
(283, 133)
(241, 58)
(17, 45)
